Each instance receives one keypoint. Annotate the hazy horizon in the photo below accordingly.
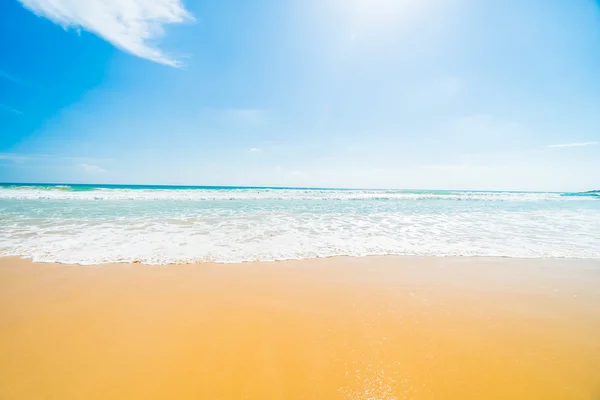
(173, 185)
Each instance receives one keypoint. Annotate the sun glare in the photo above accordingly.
(371, 14)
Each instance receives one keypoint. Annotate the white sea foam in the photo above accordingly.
(204, 225)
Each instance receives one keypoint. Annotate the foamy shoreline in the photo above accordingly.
(166, 226)
(335, 258)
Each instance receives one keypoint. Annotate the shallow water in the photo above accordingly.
(90, 224)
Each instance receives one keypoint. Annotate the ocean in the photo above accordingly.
(94, 224)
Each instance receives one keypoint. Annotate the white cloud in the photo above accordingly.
(92, 169)
(582, 144)
(254, 150)
(131, 25)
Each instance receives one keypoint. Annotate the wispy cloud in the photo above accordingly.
(247, 114)
(446, 88)
(12, 78)
(10, 109)
(131, 25)
(14, 157)
(581, 144)
(254, 150)
(237, 115)
(484, 133)
(19, 158)
(298, 174)
(92, 169)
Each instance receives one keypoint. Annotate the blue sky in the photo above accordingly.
(444, 94)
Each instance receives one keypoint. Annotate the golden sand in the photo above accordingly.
(342, 328)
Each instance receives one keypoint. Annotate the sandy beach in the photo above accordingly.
(299, 200)
(337, 328)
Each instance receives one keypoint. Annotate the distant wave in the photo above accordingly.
(594, 195)
(44, 188)
(36, 187)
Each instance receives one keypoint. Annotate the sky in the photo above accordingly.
(414, 94)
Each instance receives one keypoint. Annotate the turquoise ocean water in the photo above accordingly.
(90, 224)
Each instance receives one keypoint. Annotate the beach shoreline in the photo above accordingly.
(367, 257)
(380, 327)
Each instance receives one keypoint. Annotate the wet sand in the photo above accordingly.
(339, 328)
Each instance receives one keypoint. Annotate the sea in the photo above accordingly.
(95, 224)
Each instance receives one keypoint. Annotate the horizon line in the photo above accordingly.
(166, 186)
